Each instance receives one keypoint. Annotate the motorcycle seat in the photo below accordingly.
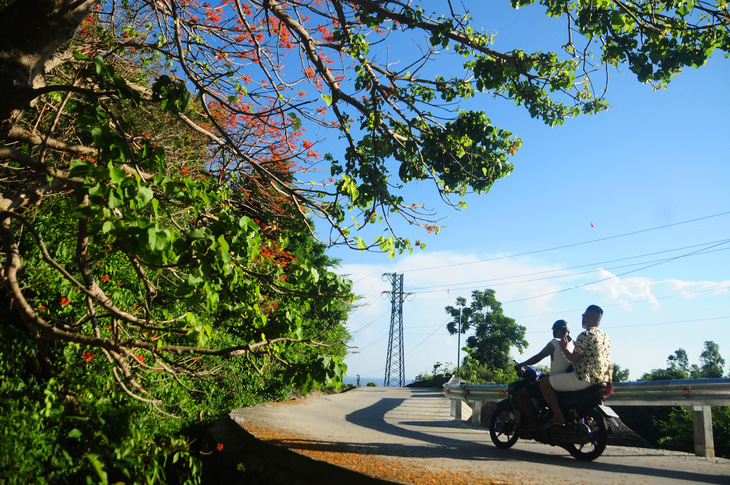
(595, 389)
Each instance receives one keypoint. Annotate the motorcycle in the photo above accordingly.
(585, 433)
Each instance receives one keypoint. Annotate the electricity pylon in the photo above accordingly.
(395, 368)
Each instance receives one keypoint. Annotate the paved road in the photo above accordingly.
(414, 426)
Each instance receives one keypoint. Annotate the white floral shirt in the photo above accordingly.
(595, 362)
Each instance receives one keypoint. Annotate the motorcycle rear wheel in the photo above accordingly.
(503, 426)
(599, 437)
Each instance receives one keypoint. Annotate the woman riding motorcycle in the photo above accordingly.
(558, 365)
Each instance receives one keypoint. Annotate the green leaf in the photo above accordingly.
(194, 280)
(114, 200)
(197, 234)
(144, 196)
(223, 244)
(74, 433)
(96, 189)
(158, 240)
(297, 122)
(99, 467)
(327, 98)
(99, 64)
(81, 57)
(80, 169)
(117, 174)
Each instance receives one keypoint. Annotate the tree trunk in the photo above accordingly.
(31, 31)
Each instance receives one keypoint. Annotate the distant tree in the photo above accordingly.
(711, 361)
(678, 367)
(460, 315)
(679, 361)
(494, 333)
(619, 374)
(459, 324)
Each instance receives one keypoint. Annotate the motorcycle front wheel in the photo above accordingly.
(503, 426)
(599, 437)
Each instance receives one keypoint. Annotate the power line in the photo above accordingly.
(565, 246)
(571, 275)
(693, 320)
(562, 247)
(643, 300)
(431, 335)
(610, 277)
(653, 324)
(491, 282)
(562, 312)
(379, 339)
(369, 323)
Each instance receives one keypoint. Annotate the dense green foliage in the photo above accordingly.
(145, 295)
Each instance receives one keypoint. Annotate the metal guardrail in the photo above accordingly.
(691, 392)
(699, 394)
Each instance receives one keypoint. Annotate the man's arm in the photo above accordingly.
(573, 356)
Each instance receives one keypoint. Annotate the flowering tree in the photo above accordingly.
(128, 231)
(177, 128)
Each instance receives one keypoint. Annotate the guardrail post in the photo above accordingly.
(456, 409)
(476, 416)
(702, 424)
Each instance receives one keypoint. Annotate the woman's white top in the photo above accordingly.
(558, 362)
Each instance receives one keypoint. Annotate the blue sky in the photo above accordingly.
(629, 209)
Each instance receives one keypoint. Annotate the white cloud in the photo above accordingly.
(692, 289)
(625, 291)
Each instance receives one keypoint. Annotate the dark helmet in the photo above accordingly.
(561, 325)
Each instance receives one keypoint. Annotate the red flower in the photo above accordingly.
(220, 446)
(140, 357)
(104, 278)
(65, 301)
(87, 356)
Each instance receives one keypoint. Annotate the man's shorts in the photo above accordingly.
(568, 382)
